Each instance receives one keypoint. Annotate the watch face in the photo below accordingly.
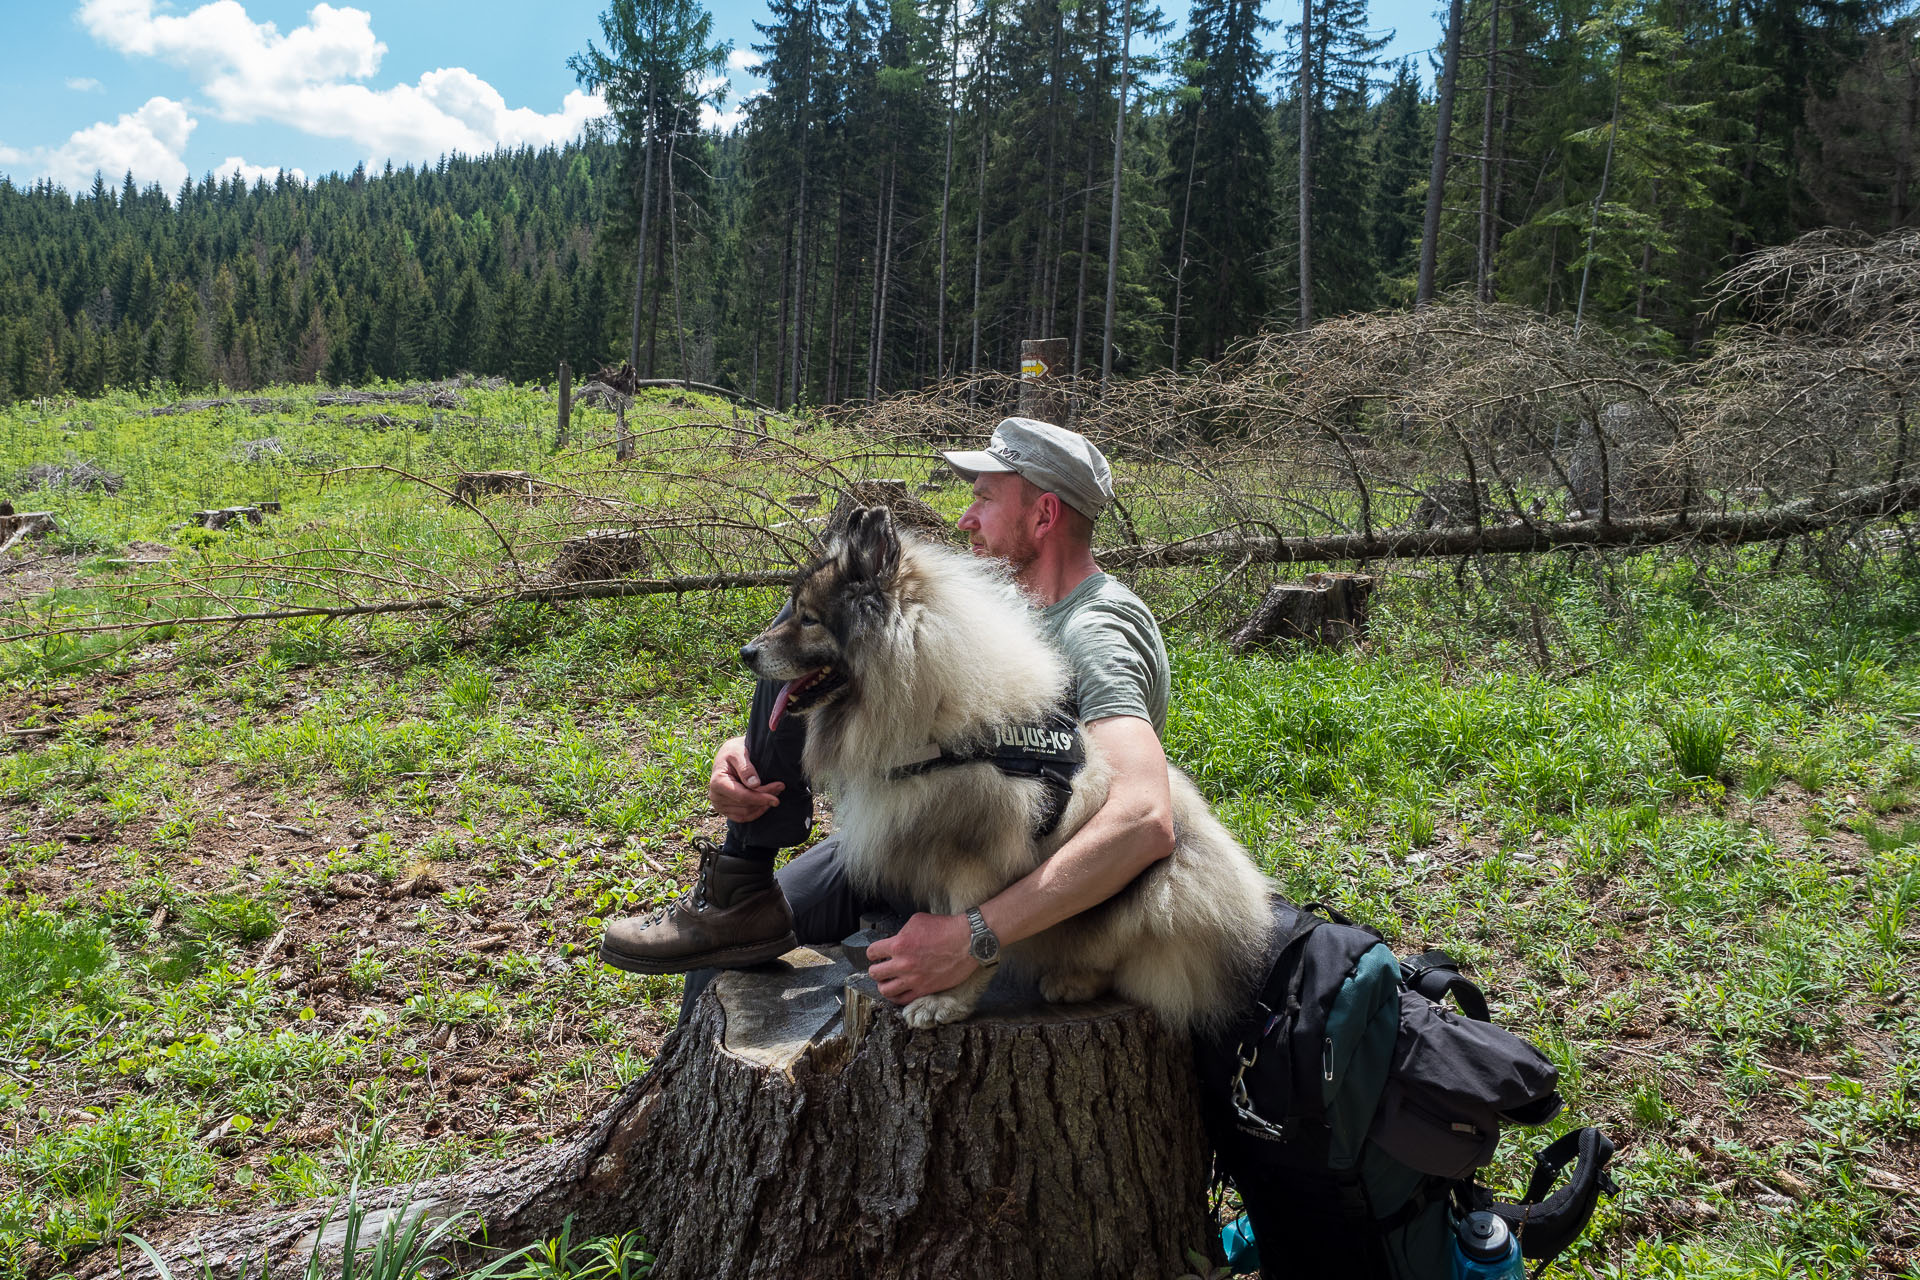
(985, 948)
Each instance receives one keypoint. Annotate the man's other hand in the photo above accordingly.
(927, 956)
(735, 789)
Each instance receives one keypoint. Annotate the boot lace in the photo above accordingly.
(694, 897)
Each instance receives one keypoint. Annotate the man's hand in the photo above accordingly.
(927, 956)
(735, 789)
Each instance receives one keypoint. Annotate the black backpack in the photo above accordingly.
(1351, 1110)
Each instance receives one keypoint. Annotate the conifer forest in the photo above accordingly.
(917, 187)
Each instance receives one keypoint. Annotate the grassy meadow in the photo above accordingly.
(296, 905)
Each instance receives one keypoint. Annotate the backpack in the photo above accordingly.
(1351, 1110)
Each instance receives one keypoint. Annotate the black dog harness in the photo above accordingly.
(1050, 751)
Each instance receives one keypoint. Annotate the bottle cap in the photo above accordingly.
(1484, 1236)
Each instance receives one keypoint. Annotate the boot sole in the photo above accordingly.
(728, 958)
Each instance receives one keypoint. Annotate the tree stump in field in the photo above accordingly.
(17, 526)
(1327, 608)
(808, 1132)
(479, 484)
(221, 517)
(791, 1131)
(599, 554)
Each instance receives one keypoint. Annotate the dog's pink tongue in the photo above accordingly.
(780, 705)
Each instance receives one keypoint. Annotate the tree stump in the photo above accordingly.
(909, 512)
(221, 517)
(1043, 384)
(771, 1141)
(599, 554)
(1328, 609)
(18, 526)
(479, 484)
(812, 1134)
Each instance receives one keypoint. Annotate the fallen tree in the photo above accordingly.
(1526, 537)
(1523, 537)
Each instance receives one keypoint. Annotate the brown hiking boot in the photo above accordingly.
(734, 915)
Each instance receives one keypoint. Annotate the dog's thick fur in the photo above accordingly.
(893, 644)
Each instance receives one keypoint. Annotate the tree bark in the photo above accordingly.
(1327, 609)
(946, 202)
(1808, 515)
(1442, 141)
(795, 1127)
(640, 258)
(1483, 257)
(1113, 220)
(1180, 256)
(1306, 165)
(1600, 197)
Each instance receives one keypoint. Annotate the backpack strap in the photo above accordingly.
(1546, 1222)
(1275, 1009)
(1436, 975)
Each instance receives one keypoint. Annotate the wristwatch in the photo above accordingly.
(984, 946)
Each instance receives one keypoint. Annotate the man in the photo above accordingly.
(1037, 491)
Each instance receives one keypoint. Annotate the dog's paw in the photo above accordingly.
(931, 1011)
(1072, 988)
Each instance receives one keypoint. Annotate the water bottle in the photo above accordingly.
(1237, 1242)
(1483, 1249)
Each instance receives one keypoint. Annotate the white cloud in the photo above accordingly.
(252, 173)
(251, 72)
(743, 60)
(83, 84)
(149, 142)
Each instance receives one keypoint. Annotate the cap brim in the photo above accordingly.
(971, 462)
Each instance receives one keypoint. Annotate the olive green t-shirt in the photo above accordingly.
(1119, 662)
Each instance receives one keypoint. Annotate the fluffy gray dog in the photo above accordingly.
(896, 651)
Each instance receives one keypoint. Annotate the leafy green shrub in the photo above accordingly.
(1698, 736)
(235, 915)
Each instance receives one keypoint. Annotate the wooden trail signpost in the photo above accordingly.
(1043, 368)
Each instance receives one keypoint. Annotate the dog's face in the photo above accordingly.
(838, 601)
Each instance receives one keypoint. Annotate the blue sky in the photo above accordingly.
(197, 86)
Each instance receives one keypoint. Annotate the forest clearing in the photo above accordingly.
(307, 904)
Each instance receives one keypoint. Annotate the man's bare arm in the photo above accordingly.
(1128, 834)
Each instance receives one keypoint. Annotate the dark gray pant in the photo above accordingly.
(826, 907)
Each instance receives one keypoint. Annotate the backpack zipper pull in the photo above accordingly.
(1326, 1060)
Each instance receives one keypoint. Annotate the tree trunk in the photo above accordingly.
(1327, 609)
(794, 386)
(1306, 165)
(1903, 159)
(1113, 219)
(640, 262)
(1042, 389)
(1600, 197)
(946, 203)
(1483, 256)
(673, 243)
(1086, 255)
(1180, 256)
(1442, 140)
(564, 432)
(795, 1127)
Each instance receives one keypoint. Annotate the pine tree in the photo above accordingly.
(1217, 184)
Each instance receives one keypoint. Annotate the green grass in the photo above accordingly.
(1683, 854)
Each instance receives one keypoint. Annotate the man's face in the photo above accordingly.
(1000, 523)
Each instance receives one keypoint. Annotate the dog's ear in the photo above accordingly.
(871, 550)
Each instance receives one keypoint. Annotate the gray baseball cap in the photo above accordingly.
(1058, 460)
